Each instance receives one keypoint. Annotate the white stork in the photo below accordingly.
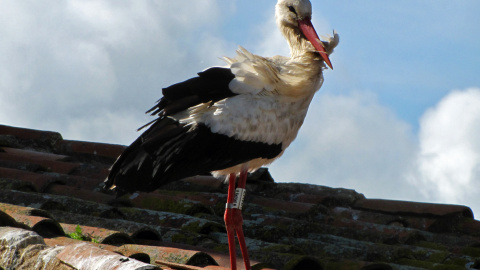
(230, 120)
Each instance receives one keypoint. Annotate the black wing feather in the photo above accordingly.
(210, 85)
(169, 151)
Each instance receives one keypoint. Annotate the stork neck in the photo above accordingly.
(299, 45)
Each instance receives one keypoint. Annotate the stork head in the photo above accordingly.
(297, 14)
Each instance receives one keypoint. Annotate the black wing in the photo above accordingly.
(211, 85)
(169, 151)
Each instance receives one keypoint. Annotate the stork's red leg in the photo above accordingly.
(229, 221)
(238, 219)
(234, 220)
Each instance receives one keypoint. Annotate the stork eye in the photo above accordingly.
(292, 9)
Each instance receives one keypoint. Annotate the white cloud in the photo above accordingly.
(66, 63)
(354, 142)
(105, 127)
(272, 42)
(449, 156)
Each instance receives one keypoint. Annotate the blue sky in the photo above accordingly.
(397, 118)
(410, 53)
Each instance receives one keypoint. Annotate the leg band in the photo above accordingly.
(239, 197)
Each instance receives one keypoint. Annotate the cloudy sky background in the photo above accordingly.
(398, 117)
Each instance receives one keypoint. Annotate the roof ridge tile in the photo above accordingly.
(32, 138)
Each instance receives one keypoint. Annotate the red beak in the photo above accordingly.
(307, 29)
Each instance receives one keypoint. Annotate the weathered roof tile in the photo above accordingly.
(41, 161)
(177, 202)
(169, 254)
(80, 193)
(29, 138)
(413, 208)
(86, 256)
(45, 227)
(15, 184)
(39, 181)
(133, 229)
(98, 234)
(79, 148)
(50, 187)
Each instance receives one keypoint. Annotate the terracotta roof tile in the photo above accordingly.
(39, 181)
(169, 254)
(80, 193)
(23, 210)
(86, 256)
(413, 208)
(45, 227)
(280, 205)
(23, 249)
(50, 189)
(99, 234)
(132, 229)
(36, 161)
(28, 138)
(210, 182)
(78, 148)
(177, 202)
(15, 184)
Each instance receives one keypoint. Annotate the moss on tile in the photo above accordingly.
(14, 184)
(430, 245)
(344, 265)
(266, 232)
(457, 261)
(416, 263)
(177, 258)
(282, 248)
(185, 239)
(203, 227)
(437, 257)
(471, 251)
(194, 226)
(79, 235)
(221, 248)
(445, 265)
(448, 267)
(179, 238)
(157, 204)
(219, 208)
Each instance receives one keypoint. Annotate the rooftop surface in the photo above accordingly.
(54, 215)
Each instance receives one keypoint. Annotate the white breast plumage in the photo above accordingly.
(267, 120)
